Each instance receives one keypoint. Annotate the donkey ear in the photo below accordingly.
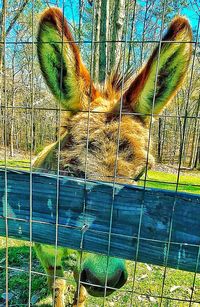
(173, 63)
(60, 61)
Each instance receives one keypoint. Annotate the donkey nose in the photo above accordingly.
(96, 287)
(98, 272)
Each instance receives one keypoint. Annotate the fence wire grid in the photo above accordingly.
(31, 119)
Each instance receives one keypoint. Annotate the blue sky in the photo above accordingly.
(192, 16)
(191, 12)
(71, 11)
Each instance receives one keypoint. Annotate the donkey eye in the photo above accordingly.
(124, 145)
(140, 174)
(92, 145)
(127, 150)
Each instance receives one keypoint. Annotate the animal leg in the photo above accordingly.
(55, 275)
(80, 302)
(57, 285)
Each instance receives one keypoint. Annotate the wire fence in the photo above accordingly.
(30, 119)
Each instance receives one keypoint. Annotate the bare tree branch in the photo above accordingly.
(13, 21)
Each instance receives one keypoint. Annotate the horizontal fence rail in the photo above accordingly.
(169, 221)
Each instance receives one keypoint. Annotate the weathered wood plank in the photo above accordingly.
(158, 209)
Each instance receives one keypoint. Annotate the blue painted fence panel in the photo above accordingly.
(160, 214)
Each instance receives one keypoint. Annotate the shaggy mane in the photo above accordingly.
(117, 83)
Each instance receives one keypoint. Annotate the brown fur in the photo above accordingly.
(102, 147)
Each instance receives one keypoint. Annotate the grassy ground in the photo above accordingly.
(178, 285)
(16, 164)
(147, 287)
(188, 182)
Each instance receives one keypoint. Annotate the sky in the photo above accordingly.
(71, 11)
(192, 12)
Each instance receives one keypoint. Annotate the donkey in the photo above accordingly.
(139, 96)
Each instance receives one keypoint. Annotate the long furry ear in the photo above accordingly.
(61, 63)
(173, 62)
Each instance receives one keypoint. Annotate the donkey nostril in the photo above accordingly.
(118, 280)
(96, 287)
(122, 280)
(89, 278)
(84, 276)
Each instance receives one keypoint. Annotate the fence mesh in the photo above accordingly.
(109, 34)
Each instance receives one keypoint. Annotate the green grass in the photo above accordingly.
(18, 274)
(166, 181)
(148, 282)
(155, 179)
(16, 164)
(148, 278)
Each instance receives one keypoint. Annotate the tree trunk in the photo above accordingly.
(96, 39)
(195, 137)
(12, 125)
(175, 138)
(3, 32)
(117, 33)
(163, 137)
(2, 70)
(81, 8)
(197, 158)
(34, 137)
(143, 32)
(2, 43)
(131, 46)
(159, 139)
(103, 40)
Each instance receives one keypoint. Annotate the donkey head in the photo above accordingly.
(108, 143)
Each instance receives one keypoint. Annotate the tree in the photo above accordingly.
(104, 35)
(117, 31)
(14, 17)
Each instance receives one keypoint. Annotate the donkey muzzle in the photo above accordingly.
(99, 273)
